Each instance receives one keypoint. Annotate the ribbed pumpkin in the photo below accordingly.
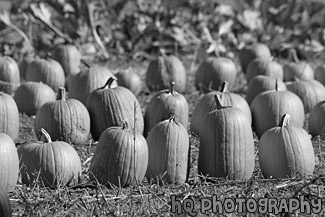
(69, 57)
(262, 83)
(64, 120)
(269, 106)
(9, 116)
(109, 106)
(163, 105)
(169, 149)
(213, 72)
(30, 96)
(48, 71)
(320, 74)
(5, 207)
(286, 151)
(226, 144)
(207, 104)
(248, 53)
(121, 157)
(130, 80)
(9, 75)
(261, 66)
(83, 83)
(298, 70)
(53, 163)
(163, 70)
(9, 164)
(310, 92)
(317, 119)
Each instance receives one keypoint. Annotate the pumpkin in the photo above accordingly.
(5, 207)
(64, 120)
(286, 151)
(9, 116)
(262, 83)
(83, 83)
(9, 165)
(48, 71)
(169, 150)
(298, 70)
(226, 144)
(310, 92)
(163, 105)
(207, 104)
(109, 106)
(269, 106)
(317, 119)
(320, 74)
(163, 70)
(130, 80)
(9, 75)
(261, 66)
(69, 57)
(30, 96)
(53, 163)
(121, 157)
(248, 53)
(213, 72)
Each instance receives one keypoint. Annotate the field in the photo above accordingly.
(199, 194)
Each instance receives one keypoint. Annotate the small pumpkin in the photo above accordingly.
(261, 66)
(109, 106)
(30, 96)
(213, 72)
(286, 151)
(269, 106)
(26, 59)
(54, 163)
(9, 164)
(48, 71)
(129, 79)
(298, 70)
(5, 207)
(64, 120)
(169, 150)
(317, 119)
(9, 75)
(121, 157)
(69, 57)
(226, 144)
(83, 83)
(309, 91)
(262, 83)
(163, 105)
(163, 70)
(9, 116)
(251, 51)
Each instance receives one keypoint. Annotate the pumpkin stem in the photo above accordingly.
(44, 136)
(62, 93)
(125, 125)
(276, 85)
(224, 88)
(218, 102)
(172, 118)
(172, 87)
(284, 120)
(293, 55)
(109, 82)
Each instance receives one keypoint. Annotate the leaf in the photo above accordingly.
(225, 27)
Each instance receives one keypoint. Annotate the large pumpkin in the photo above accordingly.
(317, 119)
(48, 71)
(262, 83)
(53, 163)
(83, 83)
(5, 207)
(9, 164)
(269, 106)
(109, 106)
(121, 157)
(129, 79)
(226, 144)
(9, 116)
(65, 120)
(213, 72)
(30, 96)
(163, 105)
(163, 70)
(310, 92)
(169, 150)
(298, 70)
(286, 151)
(207, 104)
(9, 75)
(248, 53)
